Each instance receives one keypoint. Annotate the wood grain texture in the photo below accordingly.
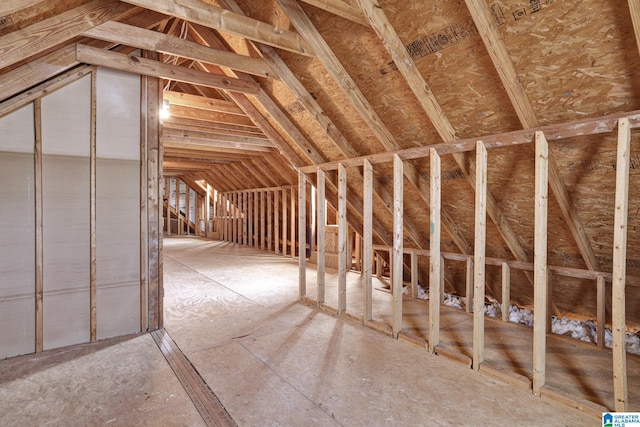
(224, 20)
(51, 32)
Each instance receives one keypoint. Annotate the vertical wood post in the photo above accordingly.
(398, 210)
(479, 254)
(506, 291)
(321, 207)
(207, 209)
(262, 222)
(256, 218)
(178, 220)
(302, 212)
(367, 236)
(187, 206)
(434, 249)
(39, 223)
(251, 225)
(247, 219)
(540, 262)
(285, 222)
(618, 315)
(469, 286)
(93, 320)
(276, 222)
(601, 310)
(269, 220)
(293, 223)
(154, 176)
(414, 275)
(342, 239)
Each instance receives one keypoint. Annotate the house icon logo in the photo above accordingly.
(607, 420)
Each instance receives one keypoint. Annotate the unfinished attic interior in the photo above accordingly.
(451, 185)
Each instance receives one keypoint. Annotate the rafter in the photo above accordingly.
(520, 101)
(340, 8)
(10, 6)
(220, 19)
(179, 111)
(201, 102)
(351, 90)
(147, 67)
(219, 137)
(310, 151)
(210, 143)
(129, 35)
(43, 35)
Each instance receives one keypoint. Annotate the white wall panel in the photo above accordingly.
(66, 118)
(66, 318)
(118, 110)
(17, 253)
(66, 255)
(17, 317)
(17, 131)
(118, 247)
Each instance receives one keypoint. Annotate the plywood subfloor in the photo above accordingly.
(274, 361)
(117, 382)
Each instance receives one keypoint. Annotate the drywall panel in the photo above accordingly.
(66, 318)
(17, 253)
(17, 317)
(66, 255)
(66, 118)
(17, 131)
(17, 245)
(118, 115)
(117, 247)
(118, 310)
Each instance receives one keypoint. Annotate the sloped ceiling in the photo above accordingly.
(259, 88)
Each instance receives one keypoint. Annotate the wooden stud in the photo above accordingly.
(178, 218)
(154, 175)
(262, 222)
(601, 310)
(293, 223)
(469, 286)
(342, 240)
(92, 213)
(144, 208)
(269, 220)
(302, 212)
(245, 218)
(506, 291)
(479, 254)
(367, 236)
(540, 263)
(285, 222)
(187, 206)
(321, 207)
(39, 224)
(207, 209)
(397, 262)
(618, 321)
(434, 250)
(276, 221)
(414, 275)
(549, 301)
(251, 222)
